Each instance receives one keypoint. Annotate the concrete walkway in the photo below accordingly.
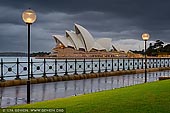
(14, 95)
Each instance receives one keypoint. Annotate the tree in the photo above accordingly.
(155, 49)
(166, 48)
(158, 45)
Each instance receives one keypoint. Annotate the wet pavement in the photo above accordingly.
(14, 95)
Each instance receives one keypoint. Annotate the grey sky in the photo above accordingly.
(122, 20)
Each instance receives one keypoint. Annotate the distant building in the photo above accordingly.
(80, 43)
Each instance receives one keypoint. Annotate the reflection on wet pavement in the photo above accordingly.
(10, 96)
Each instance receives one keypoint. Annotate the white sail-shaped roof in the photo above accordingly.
(82, 39)
(97, 46)
(70, 43)
(86, 37)
(75, 39)
(62, 39)
(106, 43)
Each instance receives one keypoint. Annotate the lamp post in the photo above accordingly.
(145, 37)
(29, 17)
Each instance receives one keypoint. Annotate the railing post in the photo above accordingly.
(32, 68)
(153, 63)
(17, 74)
(149, 63)
(55, 67)
(128, 64)
(142, 64)
(92, 66)
(123, 64)
(2, 75)
(99, 66)
(118, 64)
(84, 67)
(44, 73)
(164, 62)
(156, 62)
(160, 62)
(112, 65)
(75, 66)
(66, 72)
(133, 63)
(138, 64)
(106, 65)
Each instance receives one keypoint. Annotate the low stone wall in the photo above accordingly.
(164, 78)
(8, 83)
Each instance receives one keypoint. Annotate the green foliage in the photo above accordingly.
(143, 98)
(155, 49)
(166, 48)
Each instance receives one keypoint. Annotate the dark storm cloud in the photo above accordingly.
(121, 20)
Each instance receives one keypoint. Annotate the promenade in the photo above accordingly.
(46, 91)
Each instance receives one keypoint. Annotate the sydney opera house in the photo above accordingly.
(80, 43)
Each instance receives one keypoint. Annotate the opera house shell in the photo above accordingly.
(80, 43)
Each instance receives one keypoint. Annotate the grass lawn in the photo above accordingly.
(143, 98)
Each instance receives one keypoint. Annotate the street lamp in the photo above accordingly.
(145, 37)
(29, 17)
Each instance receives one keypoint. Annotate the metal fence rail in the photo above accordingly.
(48, 67)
